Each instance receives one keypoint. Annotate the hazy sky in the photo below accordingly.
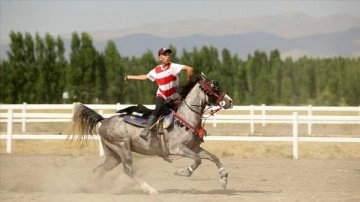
(59, 17)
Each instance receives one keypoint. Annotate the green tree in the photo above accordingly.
(75, 73)
(6, 85)
(311, 86)
(114, 74)
(62, 67)
(242, 83)
(276, 66)
(260, 88)
(84, 77)
(41, 84)
(54, 72)
(17, 64)
(287, 84)
(49, 73)
(351, 90)
(36, 71)
(30, 70)
(227, 72)
(90, 88)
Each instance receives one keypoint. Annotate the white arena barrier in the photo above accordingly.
(239, 114)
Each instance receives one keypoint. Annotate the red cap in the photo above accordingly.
(164, 50)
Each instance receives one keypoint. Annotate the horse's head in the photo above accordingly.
(215, 95)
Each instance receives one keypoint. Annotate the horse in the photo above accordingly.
(183, 138)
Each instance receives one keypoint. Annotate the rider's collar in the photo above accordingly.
(165, 67)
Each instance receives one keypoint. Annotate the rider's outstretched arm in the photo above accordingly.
(135, 77)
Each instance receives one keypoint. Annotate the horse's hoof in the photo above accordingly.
(184, 173)
(167, 159)
(223, 181)
(153, 192)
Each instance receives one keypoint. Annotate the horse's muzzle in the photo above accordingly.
(226, 102)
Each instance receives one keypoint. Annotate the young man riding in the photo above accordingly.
(166, 75)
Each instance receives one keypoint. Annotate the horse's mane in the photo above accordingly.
(184, 89)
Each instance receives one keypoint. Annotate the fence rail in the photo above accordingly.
(255, 115)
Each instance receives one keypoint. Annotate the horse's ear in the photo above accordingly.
(203, 76)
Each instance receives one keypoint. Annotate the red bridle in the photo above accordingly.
(204, 86)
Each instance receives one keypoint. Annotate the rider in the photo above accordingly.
(166, 75)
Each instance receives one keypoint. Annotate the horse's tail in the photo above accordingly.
(84, 123)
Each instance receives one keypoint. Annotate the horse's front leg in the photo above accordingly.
(184, 151)
(207, 155)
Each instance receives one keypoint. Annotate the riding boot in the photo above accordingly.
(145, 133)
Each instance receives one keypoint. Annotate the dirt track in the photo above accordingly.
(61, 178)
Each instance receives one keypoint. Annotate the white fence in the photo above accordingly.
(239, 114)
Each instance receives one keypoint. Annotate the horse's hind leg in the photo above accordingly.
(209, 156)
(123, 150)
(112, 159)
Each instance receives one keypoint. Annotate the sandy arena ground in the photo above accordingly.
(63, 178)
(51, 172)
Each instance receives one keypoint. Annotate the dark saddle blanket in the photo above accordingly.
(135, 120)
(138, 110)
(138, 115)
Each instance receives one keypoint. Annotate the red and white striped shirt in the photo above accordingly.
(167, 79)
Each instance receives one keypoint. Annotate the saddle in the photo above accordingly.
(138, 116)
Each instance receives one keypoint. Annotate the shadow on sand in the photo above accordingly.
(228, 192)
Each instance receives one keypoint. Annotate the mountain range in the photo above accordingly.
(345, 44)
(293, 34)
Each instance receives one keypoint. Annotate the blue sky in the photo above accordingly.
(59, 17)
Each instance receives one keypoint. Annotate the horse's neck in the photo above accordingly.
(192, 108)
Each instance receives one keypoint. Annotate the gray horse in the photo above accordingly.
(183, 138)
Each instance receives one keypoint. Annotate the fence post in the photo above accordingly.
(101, 149)
(310, 120)
(9, 131)
(252, 127)
(263, 113)
(74, 104)
(295, 136)
(214, 123)
(24, 117)
(118, 106)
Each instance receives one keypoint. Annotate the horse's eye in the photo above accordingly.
(214, 85)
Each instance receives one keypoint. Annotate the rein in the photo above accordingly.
(193, 109)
